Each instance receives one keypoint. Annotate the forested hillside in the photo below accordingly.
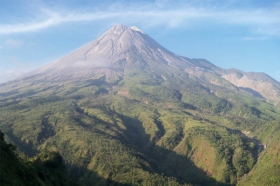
(45, 169)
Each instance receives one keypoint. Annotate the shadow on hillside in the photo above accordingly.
(161, 161)
(91, 178)
(27, 148)
(164, 161)
(252, 92)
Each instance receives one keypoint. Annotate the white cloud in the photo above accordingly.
(11, 68)
(262, 21)
(255, 38)
(10, 74)
(30, 26)
(13, 43)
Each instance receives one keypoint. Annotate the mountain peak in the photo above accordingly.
(111, 53)
(117, 29)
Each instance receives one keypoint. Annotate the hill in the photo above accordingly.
(46, 169)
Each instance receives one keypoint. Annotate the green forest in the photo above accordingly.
(141, 134)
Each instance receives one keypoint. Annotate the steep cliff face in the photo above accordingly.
(258, 84)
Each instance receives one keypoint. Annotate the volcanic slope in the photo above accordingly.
(123, 110)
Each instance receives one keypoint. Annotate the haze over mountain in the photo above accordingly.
(124, 110)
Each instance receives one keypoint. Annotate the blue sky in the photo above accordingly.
(242, 34)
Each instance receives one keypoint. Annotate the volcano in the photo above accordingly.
(122, 48)
(112, 53)
(123, 110)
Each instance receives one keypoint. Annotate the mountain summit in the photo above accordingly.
(111, 51)
(109, 55)
(122, 48)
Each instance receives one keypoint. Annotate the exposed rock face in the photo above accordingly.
(259, 84)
